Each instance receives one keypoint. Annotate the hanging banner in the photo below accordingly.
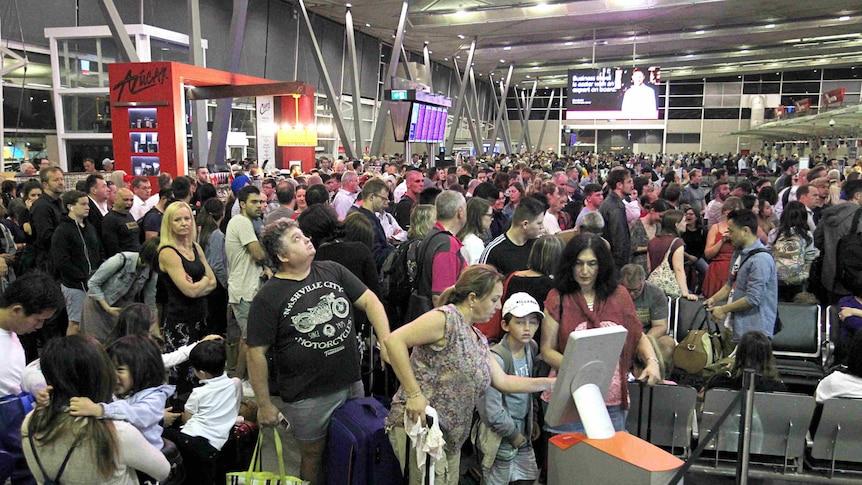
(266, 129)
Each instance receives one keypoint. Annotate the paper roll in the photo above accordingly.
(594, 414)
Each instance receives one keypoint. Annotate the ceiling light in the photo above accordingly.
(700, 32)
(507, 48)
(502, 61)
(769, 26)
(460, 12)
(570, 43)
(445, 58)
(689, 55)
(457, 57)
(368, 25)
(535, 67)
(744, 51)
(528, 76)
(844, 18)
(461, 36)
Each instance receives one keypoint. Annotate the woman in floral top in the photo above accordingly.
(450, 367)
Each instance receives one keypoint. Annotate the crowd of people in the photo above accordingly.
(107, 286)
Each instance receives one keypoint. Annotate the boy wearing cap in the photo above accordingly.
(508, 425)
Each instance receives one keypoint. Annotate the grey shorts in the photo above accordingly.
(74, 302)
(240, 312)
(309, 418)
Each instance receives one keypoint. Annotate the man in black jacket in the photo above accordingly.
(613, 211)
(97, 192)
(45, 215)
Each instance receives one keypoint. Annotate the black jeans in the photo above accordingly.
(199, 457)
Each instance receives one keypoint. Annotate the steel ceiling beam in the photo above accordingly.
(221, 121)
(459, 102)
(199, 108)
(354, 68)
(383, 112)
(331, 96)
(118, 30)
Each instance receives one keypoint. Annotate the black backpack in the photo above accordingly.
(849, 268)
(399, 272)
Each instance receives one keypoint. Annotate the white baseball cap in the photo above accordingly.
(520, 305)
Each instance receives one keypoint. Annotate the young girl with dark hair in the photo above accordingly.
(102, 451)
(140, 387)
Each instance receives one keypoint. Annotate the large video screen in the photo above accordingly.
(613, 93)
(427, 123)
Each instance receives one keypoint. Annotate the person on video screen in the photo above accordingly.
(639, 99)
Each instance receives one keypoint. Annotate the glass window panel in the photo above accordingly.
(851, 86)
(712, 101)
(164, 51)
(722, 79)
(80, 64)
(767, 76)
(684, 114)
(88, 113)
(801, 88)
(686, 89)
(686, 101)
(806, 75)
(845, 73)
(721, 113)
(28, 108)
(761, 88)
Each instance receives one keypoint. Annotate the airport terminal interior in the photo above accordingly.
(503, 100)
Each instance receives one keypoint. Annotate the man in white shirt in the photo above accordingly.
(245, 257)
(25, 306)
(142, 188)
(346, 196)
(639, 100)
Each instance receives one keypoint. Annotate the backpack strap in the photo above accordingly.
(56, 479)
(423, 249)
(752, 253)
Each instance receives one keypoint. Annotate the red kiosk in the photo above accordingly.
(148, 114)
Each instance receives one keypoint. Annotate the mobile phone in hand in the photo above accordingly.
(283, 422)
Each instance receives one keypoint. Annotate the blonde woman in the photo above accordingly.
(188, 280)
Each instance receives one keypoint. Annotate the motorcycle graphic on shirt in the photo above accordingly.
(327, 307)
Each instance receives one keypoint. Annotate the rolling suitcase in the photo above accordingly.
(359, 452)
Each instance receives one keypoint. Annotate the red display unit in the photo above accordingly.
(148, 114)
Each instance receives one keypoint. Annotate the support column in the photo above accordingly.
(221, 122)
(459, 102)
(545, 123)
(479, 147)
(383, 112)
(354, 67)
(199, 108)
(502, 108)
(118, 30)
(331, 97)
(470, 126)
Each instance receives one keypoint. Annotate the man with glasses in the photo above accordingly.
(650, 301)
(375, 198)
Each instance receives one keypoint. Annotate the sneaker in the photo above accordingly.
(247, 390)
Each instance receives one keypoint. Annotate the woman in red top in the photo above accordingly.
(719, 250)
(588, 295)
